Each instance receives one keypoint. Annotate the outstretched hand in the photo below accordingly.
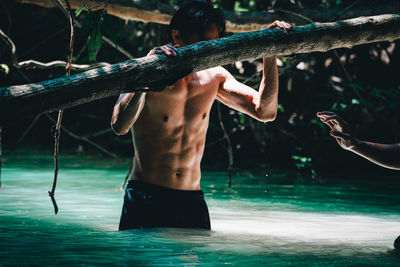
(168, 50)
(339, 129)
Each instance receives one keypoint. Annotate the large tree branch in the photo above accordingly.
(147, 11)
(154, 72)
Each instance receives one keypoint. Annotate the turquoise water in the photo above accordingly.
(263, 220)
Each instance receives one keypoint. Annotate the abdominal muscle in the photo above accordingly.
(169, 136)
(174, 166)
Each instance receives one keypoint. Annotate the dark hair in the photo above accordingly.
(195, 17)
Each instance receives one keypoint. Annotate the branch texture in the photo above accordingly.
(155, 72)
(147, 11)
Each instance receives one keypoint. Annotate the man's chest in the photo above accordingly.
(187, 99)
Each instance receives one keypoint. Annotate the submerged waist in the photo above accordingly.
(174, 177)
(162, 191)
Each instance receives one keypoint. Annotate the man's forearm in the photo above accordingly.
(126, 111)
(385, 155)
(268, 91)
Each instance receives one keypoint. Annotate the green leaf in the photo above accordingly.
(87, 25)
(242, 118)
(79, 10)
(239, 8)
(216, 5)
(302, 162)
(104, 12)
(339, 107)
(94, 43)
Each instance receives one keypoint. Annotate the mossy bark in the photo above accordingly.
(157, 12)
(155, 72)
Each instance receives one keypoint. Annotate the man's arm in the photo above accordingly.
(129, 105)
(385, 155)
(126, 111)
(261, 105)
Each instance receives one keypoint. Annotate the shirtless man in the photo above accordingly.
(169, 127)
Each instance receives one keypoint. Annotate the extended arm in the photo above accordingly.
(261, 105)
(385, 155)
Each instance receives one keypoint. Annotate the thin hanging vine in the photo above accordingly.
(228, 148)
(57, 132)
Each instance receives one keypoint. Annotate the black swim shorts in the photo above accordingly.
(152, 206)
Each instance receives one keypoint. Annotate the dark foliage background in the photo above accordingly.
(362, 84)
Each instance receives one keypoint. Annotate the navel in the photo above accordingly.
(204, 116)
(165, 118)
(178, 172)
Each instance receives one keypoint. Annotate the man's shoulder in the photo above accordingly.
(218, 72)
(218, 69)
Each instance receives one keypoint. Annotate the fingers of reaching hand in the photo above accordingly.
(333, 118)
(330, 124)
(325, 113)
(336, 123)
(339, 123)
(338, 134)
(323, 117)
(339, 140)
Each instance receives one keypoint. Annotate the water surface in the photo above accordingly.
(279, 219)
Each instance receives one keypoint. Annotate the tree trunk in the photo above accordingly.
(157, 71)
(146, 11)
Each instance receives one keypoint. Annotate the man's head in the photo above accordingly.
(196, 21)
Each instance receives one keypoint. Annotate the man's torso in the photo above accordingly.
(169, 135)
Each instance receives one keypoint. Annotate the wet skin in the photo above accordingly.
(169, 127)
